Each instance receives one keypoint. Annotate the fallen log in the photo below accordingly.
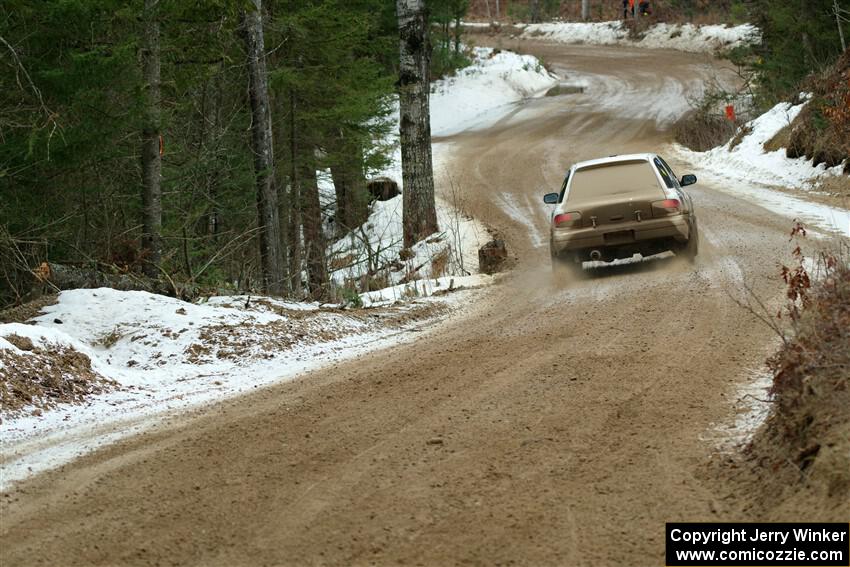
(61, 277)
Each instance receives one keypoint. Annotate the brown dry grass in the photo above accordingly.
(780, 140)
(801, 457)
(42, 377)
(701, 131)
(821, 131)
(25, 312)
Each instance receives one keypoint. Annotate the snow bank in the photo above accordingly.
(682, 37)
(476, 97)
(47, 338)
(420, 288)
(747, 169)
(376, 247)
(482, 93)
(165, 355)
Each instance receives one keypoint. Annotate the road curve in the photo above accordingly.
(561, 423)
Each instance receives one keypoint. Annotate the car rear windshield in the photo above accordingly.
(612, 179)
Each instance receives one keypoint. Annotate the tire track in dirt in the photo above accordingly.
(559, 423)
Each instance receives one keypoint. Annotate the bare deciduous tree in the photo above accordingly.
(420, 213)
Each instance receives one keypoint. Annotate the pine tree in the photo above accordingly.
(151, 136)
(798, 38)
(261, 145)
(332, 91)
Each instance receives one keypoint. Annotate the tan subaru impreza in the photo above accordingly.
(615, 207)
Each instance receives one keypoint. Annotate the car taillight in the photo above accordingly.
(566, 219)
(670, 206)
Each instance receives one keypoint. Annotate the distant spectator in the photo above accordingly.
(644, 8)
(626, 8)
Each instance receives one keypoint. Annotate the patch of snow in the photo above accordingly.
(169, 356)
(752, 406)
(520, 214)
(594, 33)
(681, 37)
(479, 95)
(423, 288)
(748, 170)
(376, 245)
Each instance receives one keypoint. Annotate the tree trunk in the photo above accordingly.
(534, 11)
(419, 209)
(314, 240)
(294, 221)
(352, 197)
(261, 144)
(151, 157)
(585, 10)
(458, 17)
(837, 11)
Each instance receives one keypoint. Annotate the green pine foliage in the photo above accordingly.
(329, 79)
(71, 110)
(799, 37)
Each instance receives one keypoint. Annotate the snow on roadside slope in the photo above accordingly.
(681, 37)
(376, 246)
(474, 97)
(748, 170)
(167, 356)
(478, 96)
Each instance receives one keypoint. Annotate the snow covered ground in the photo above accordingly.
(748, 170)
(682, 37)
(479, 95)
(167, 355)
(157, 356)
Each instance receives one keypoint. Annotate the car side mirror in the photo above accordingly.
(551, 198)
(688, 179)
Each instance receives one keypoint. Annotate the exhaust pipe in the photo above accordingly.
(595, 255)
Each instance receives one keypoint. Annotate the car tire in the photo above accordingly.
(566, 268)
(691, 248)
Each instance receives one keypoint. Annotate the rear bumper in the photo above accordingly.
(665, 231)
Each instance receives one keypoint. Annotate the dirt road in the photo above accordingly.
(562, 423)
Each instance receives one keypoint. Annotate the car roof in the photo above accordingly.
(613, 159)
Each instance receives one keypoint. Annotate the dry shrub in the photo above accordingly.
(821, 132)
(739, 136)
(440, 264)
(340, 262)
(700, 130)
(780, 140)
(379, 280)
(803, 452)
